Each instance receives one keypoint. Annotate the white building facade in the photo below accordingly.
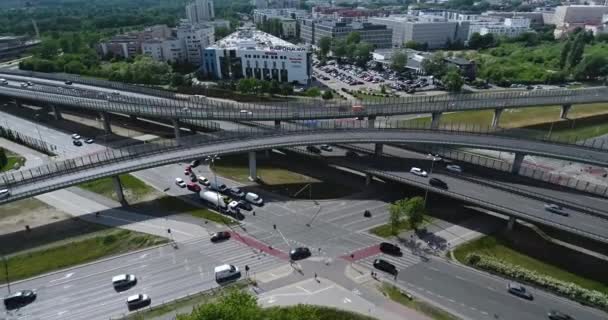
(200, 11)
(196, 37)
(249, 53)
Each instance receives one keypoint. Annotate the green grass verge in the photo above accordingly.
(425, 308)
(185, 304)
(10, 164)
(384, 230)
(133, 188)
(496, 247)
(101, 244)
(178, 206)
(282, 180)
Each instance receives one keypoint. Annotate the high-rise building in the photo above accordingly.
(200, 11)
(311, 31)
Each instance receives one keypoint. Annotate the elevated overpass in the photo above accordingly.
(164, 104)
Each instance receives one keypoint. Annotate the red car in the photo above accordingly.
(193, 187)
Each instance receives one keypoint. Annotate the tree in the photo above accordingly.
(235, 305)
(435, 65)
(324, 46)
(327, 95)
(396, 213)
(592, 67)
(275, 87)
(221, 32)
(564, 54)
(3, 158)
(399, 61)
(476, 41)
(452, 80)
(75, 67)
(412, 45)
(578, 48)
(353, 38)
(363, 53)
(177, 80)
(340, 48)
(414, 211)
(246, 85)
(47, 49)
(313, 92)
(286, 89)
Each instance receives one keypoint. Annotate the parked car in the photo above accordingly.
(180, 182)
(326, 147)
(89, 141)
(123, 281)
(454, 168)
(220, 188)
(68, 82)
(519, 290)
(254, 198)
(193, 187)
(313, 149)
(195, 163)
(3, 82)
(138, 301)
(77, 143)
(19, 299)
(438, 183)
(4, 193)
(193, 178)
(220, 236)
(23, 85)
(351, 154)
(29, 83)
(244, 205)
(556, 315)
(418, 172)
(385, 266)
(204, 181)
(299, 253)
(76, 136)
(390, 248)
(552, 207)
(236, 192)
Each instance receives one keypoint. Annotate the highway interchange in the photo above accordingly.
(337, 228)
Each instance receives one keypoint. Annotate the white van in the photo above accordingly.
(254, 198)
(226, 272)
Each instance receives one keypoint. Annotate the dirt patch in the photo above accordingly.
(14, 216)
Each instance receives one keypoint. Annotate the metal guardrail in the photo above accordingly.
(211, 109)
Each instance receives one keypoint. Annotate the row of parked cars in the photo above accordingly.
(77, 140)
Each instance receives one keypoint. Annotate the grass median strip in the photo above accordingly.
(384, 230)
(133, 188)
(425, 308)
(97, 245)
(179, 206)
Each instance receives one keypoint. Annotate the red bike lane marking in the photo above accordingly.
(256, 244)
(362, 253)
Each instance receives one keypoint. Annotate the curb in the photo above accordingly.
(87, 264)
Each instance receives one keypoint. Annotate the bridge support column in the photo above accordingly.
(18, 103)
(253, 174)
(435, 118)
(368, 179)
(511, 223)
(176, 129)
(118, 189)
(133, 117)
(378, 149)
(564, 112)
(192, 129)
(277, 124)
(105, 118)
(371, 122)
(56, 112)
(496, 117)
(517, 161)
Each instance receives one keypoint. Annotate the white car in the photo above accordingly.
(326, 147)
(418, 172)
(76, 136)
(204, 181)
(454, 168)
(124, 280)
(246, 112)
(137, 301)
(4, 193)
(180, 182)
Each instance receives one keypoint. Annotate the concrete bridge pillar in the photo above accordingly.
(118, 189)
(18, 103)
(192, 129)
(176, 129)
(564, 112)
(435, 118)
(496, 117)
(368, 179)
(56, 112)
(277, 124)
(517, 161)
(105, 118)
(378, 149)
(511, 223)
(253, 174)
(371, 122)
(133, 117)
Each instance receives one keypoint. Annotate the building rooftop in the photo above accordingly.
(252, 39)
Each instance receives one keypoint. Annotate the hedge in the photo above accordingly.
(566, 289)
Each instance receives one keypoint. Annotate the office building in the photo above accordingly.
(196, 37)
(250, 53)
(568, 18)
(200, 11)
(129, 44)
(275, 4)
(261, 15)
(536, 17)
(312, 31)
(433, 30)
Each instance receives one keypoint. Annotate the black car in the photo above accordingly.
(77, 143)
(236, 192)
(390, 248)
(195, 163)
(299, 253)
(19, 299)
(351, 154)
(438, 183)
(68, 82)
(519, 290)
(385, 266)
(313, 149)
(220, 236)
(245, 205)
(193, 177)
(556, 315)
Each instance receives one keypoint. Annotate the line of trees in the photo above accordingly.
(411, 210)
(258, 87)
(351, 48)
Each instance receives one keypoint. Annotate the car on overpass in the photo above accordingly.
(552, 207)
(438, 183)
(519, 290)
(454, 168)
(419, 172)
(68, 82)
(4, 193)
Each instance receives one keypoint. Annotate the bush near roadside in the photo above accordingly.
(569, 290)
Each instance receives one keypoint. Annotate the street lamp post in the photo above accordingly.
(211, 159)
(426, 191)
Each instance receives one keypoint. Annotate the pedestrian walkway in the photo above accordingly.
(407, 260)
